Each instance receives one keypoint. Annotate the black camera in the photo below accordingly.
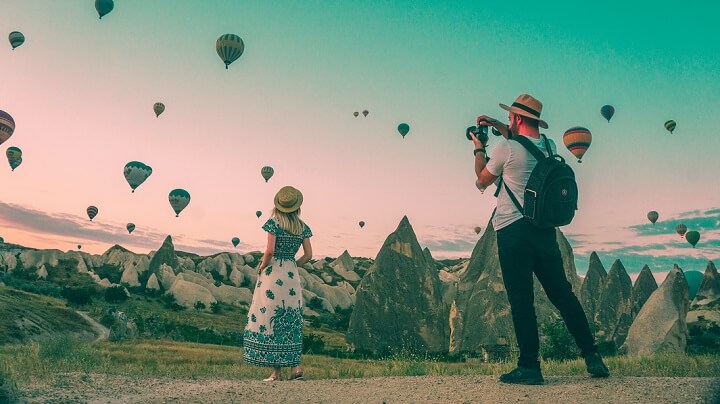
(480, 132)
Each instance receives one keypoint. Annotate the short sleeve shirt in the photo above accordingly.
(511, 160)
(286, 244)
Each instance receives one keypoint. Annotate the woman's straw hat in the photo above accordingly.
(527, 105)
(288, 199)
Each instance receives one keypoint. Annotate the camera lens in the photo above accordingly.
(480, 132)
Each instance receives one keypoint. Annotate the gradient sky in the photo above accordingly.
(81, 91)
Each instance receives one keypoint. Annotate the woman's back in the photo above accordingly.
(286, 243)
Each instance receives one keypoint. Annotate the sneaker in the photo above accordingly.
(595, 366)
(521, 375)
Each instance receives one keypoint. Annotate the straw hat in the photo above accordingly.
(288, 199)
(528, 106)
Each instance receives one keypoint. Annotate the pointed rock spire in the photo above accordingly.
(709, 290)
(592, 286)
(613, 317)
(644, 286)
(165, 255)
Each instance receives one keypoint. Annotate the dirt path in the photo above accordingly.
(424, 389)
(102, 331)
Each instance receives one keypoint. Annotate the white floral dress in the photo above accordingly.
(273, 335)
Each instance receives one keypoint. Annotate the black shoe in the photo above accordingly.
(595, 366)
(521, 375)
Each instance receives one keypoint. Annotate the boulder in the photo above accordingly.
(249, 259)
(188, 293)
(236, 277)
(232, 295)
(42, 272)
(592, 285)
(644, 286)
(345, 267)
(36, 258)
(660, 326)
(10, 261)
(709, 291)
(166, 275)
(130, 276)
(613, 317)
(153, 283)
(319, 265)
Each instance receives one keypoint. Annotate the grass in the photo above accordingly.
(47, 361)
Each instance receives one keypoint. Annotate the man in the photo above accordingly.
(525, 249)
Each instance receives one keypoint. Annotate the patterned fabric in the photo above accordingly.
(273, 335)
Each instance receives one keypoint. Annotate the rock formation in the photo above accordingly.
(613, 317)
(660, 326)
(165, 255)
(709, 291)
(703, 319)
(152, 283)
(592, 285)
(42, 272)
(644, 286)
(399, 301)
(188, 293)
(345, 267)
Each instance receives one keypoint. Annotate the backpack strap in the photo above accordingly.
(512, 197)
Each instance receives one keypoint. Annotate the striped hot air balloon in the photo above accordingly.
(7, 126)
(16, 39)
(130, 227)
(104, 7)
(355, 114)
(229, 47)
(267, 172)
(607, 111)
(653, 216)
(235, 241)
(92, 211)
(14, 156)
(403, 129)
(670, 125)
(577, 139)
(15, 164)
(136, 173)
(179, 199)
(158, 107)
(681, 229)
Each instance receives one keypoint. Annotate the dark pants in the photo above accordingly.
(524, 249)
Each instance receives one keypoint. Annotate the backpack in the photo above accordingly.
(551, 192)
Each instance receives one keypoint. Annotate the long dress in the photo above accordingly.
(273, 335)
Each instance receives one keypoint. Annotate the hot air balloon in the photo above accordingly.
(130, 227)
(478, 229)
(365, 113)
(14, 156)
(258, 214)
(104, 7)
(235, 241)
(16, 39)
(179, 199)
(355, 114)
(403, 128)
(653, 216)
(361, 224)
(692, 237)
(229, 47)
(79, 247)
(607, 111)
(92, 211)
(267, 172)
(158, 107)
(670, 125)
(2, 240)
(577, 139)
(681, 229)
(136, 173)
(7, 126)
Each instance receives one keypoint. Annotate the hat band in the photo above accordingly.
(526, 109)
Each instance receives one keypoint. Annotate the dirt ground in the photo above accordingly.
(424, 389)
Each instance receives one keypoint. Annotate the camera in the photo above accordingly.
(480, 132)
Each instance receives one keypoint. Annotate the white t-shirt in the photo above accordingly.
(511, 160)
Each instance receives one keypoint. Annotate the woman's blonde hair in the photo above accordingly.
(290, 222)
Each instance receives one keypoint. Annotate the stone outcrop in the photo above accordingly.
(42, 272)
(152, 283)
(613, 317)
(709, 291)
(660, 326)
(130, 276)
(188, 293)
(399, 301)
(8, 261)
(164, 256)
(345, 267)
(592, 285)
(703, 319)
(166, 275)
(644, 286)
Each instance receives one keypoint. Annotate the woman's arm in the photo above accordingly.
(269, 250)
(307, 253)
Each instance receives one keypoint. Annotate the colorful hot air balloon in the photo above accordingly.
(130, 227)
(104, 7)
(653, 216)
(403, 128)
(16, 39)
(92, 211)
(681, 229)
(7, 126)
(235, 241)
(14, 156)
(158, 107)
(355, 114)
(267, 172)
(692, 237)
(361, 224)
(607, 111)
(136, 173)
(258, 214)
(478, 229)
(577, 139)
(365, 113)
(79, 247)
(229, 47)
(670, 125)
(179, 199)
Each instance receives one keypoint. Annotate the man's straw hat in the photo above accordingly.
(288, 199)
(528, 106)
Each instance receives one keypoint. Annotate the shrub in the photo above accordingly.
(199, 306)
(8, 387)
(557, 342)
(115, 294)
(170, 302)
(313, 343)
(79, 295)
(315, 303)
(215, 307)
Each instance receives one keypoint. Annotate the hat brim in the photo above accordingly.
(290, 209)
(526, 114)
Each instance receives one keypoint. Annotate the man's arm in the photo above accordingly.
(484, 178)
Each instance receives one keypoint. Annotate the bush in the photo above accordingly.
(170, 302)
(8, 387)
(215, 307)
(79, 295)
(557, 343)
(199, 306)
(313, 343)
(115, 294)
(315, 303)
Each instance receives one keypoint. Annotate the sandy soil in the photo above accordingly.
(102, 331)
(431, 389)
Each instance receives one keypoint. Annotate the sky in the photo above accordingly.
(81, 91)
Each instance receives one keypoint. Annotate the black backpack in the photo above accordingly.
(551, 192)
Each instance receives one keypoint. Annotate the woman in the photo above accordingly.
(273, 336)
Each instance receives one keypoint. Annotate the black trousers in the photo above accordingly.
(523, 250)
